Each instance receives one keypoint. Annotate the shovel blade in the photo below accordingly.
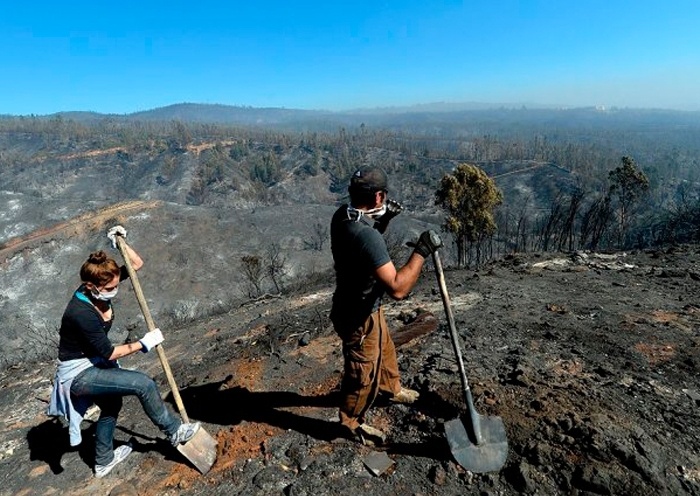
(200, 450)
(488, 456)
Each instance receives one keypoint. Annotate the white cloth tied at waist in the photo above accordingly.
(72, 408)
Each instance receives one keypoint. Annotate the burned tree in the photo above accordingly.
(468, 197)
(627, 185)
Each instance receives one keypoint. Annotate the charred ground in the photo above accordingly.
(591, 360)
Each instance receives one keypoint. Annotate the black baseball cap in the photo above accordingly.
(369, 178)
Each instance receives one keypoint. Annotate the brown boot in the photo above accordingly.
(405, 396)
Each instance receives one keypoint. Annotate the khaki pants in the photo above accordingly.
(370, 368)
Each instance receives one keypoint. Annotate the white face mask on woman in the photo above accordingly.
(99, 295)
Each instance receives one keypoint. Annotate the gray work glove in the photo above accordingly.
(114, 232)
(428, 242)
(151, 339)
(393, 208)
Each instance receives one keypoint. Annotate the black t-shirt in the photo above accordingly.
(83, 333)
(358, 251)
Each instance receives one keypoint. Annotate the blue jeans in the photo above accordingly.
(106, 387)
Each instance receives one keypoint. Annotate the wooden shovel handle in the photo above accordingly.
(447, 305)
(151, 325)
(474, 422)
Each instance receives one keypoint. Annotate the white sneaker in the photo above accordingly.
(119, 455)
(184, 433)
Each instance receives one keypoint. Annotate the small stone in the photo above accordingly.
(438, 475)
(124, 489)
(304, 464)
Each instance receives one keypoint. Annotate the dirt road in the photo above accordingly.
(80, 223)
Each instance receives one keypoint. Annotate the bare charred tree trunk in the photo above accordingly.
(317, 239)
(521, 229)
(253, 270)
(567, 233)
(462, 250)
(521, 235)
(479, 253)
(504, 230)
(276, 266)
(596, 221)
(483, 249)
(551, 225)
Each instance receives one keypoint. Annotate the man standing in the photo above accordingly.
(364, 272)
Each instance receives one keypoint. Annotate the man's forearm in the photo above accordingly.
(407, 276)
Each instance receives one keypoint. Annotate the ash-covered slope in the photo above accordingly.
(591, 360)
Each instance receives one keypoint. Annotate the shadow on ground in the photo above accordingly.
(49, 442)
(211, 404)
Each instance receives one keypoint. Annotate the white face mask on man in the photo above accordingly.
(356, 214)
(375, 213)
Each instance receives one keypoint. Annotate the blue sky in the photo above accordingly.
(122, 57)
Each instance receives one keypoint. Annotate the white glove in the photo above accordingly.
(151, 339)
(114, 232)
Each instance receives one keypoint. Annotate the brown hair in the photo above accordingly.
(99, 269)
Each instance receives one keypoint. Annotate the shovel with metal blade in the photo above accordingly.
(480, 445)
(201, 448)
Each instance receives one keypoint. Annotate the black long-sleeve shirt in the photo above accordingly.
(83, 332)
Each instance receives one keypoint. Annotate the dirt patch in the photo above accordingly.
(656, 353)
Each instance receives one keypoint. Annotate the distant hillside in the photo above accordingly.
(226, 114)
(443, 119)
